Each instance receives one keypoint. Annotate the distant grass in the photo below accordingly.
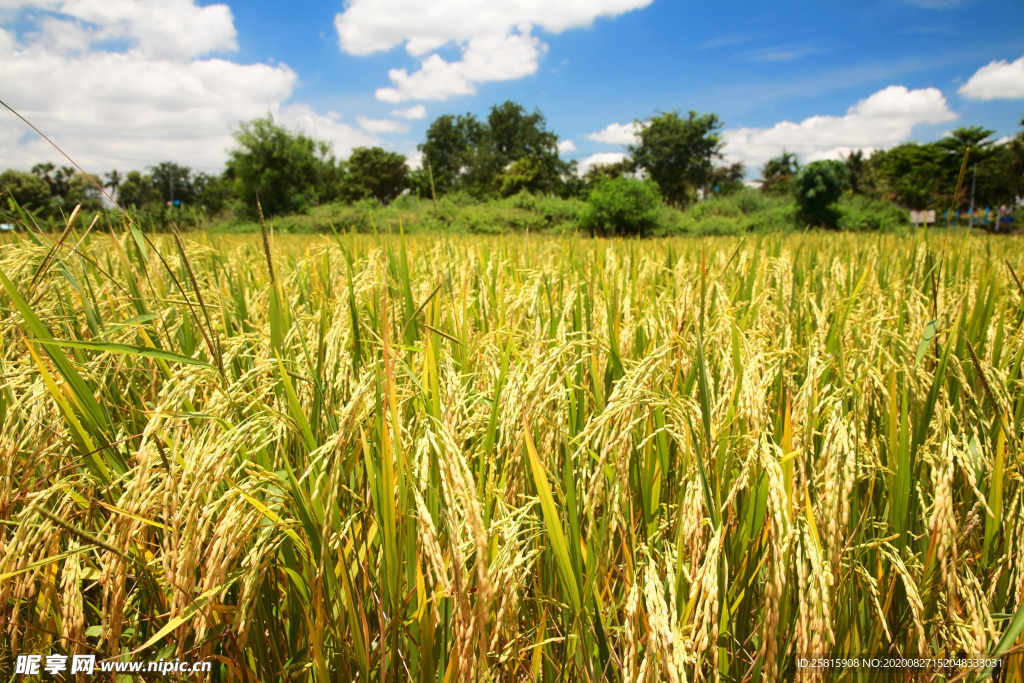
(740, 213)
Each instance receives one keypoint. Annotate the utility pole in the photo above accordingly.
(974, 182)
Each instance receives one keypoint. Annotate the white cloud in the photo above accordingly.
(599, 159)
(497, 57)
(997, 80)
(415, 112)
(883, 120)
(566, 146)
(382, 125)
(157, 98)
(343, 138)
(495, 38)
(617, 134)
(414, 159)
(159, 29)
(368, 26)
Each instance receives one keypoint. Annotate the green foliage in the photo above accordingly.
(597, 172)
(373, 173)
(284, 169)
(858, 213)
(30, 191)
(726, 180)
(510, 152)
(138, 190)
(213, 193)
(173, 182)
(858, 172)
(450, 150)
(915, 174)
(817, 187)
(678, 153)
(777, 174)
(513, 135)
(621, 206)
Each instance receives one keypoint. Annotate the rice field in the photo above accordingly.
(451, 458)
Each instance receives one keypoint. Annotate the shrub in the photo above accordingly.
(817, 186)
(622, 206)
(859, 213)
(28, 190)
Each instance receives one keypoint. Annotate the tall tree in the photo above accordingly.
(43, 171)
(29, 190)
(1017, 162)
(374, 172)
(778, 172)
(989, 175)
(727, 179)
(509, 152)
(858, 172)
(113, 182)
(283, 168)
(450, 150)
(817, 186)
(174, 182)
(915, 175)
(678, 153)
(137, 190)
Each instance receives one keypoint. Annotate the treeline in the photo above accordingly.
(676, 160)
(925, 176)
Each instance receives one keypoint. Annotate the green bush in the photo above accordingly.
(622, 206)
(817, 186)
(28, 190)
(859, 213)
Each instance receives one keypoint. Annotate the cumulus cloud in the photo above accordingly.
(883, 120)
(414, 159)
(997, 80)
(495, 38)
(382, 125)
(157, 96)
(415, 112)
(565, 146)
(489, 58)
(599, 159)
(617, 134)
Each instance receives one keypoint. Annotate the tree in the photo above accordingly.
(483, 158)
(27, 189)
(858, 172)
(43, 171)
(374, 172)
(727, 179)
(914, 174)
(82, 189)
(778, 173)
(62, 180)
(173, 182)
(623, 167)
(678, 153)
(621, 206)
(450, 150)
(113, 182)
(212, 192)
(989, 171)
(515, 136)
(1016, 162)
(137, 191)
(284, 169)
(817, 187)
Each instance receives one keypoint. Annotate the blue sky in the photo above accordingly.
(129, 83)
